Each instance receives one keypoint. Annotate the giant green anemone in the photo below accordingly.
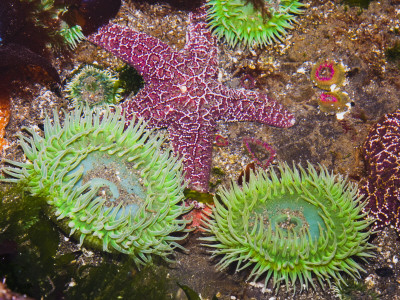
(239, 21)
(112, 188)
(291, 227)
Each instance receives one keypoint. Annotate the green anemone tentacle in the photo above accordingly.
(112, 188)
(289, 224)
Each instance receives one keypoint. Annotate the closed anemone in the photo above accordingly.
(112, 189)
(93, 86)
(290, 225)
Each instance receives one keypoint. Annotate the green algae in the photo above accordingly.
(392, 54)
(28, 242)
(129, 80)
(199, 196)
(354, 290)
(119, 281)
(191, 294)
(359, 3)
(37, 263)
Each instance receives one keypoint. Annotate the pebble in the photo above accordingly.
(395, 259)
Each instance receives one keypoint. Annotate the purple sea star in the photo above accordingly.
(381, 152)
(182, 92)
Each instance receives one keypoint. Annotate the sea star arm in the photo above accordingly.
(193, 142)
(245, 105)
(147, 54)
(201, 46)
